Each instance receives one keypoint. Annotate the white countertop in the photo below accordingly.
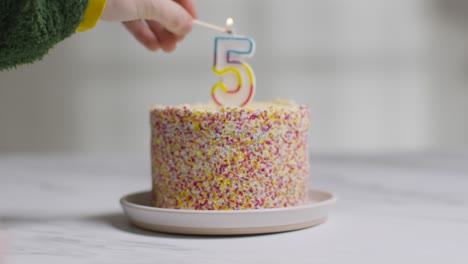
(408, 208)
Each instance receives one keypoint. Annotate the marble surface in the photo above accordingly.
(399, 208)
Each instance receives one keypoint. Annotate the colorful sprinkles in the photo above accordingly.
(230, 158)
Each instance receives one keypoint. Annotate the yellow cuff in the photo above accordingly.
(92, 14)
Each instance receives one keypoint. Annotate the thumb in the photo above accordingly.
(168, 13)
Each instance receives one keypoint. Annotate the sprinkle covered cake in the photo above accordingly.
(209, 157)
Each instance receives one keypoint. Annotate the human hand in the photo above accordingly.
(167, 21)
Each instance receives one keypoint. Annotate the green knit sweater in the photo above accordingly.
(29, 28)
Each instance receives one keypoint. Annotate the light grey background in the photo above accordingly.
(378, 75)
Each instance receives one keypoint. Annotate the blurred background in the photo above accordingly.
(379, 76)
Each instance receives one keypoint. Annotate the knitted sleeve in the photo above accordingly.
(29, 28)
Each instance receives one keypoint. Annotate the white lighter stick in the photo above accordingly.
(211, 26)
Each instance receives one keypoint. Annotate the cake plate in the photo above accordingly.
(138, 208)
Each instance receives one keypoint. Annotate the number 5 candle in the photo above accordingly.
(237, 84)
(237, 80)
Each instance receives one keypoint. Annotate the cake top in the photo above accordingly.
(279, 104)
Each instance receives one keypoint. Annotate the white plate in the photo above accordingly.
(141, 213)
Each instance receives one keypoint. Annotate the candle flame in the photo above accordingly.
(229, 22)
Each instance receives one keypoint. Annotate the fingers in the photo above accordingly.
(167, 21)
(143, 34)
(166, 39)
(189, 5)
(169, 14)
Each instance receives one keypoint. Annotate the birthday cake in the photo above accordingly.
(210, 157)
